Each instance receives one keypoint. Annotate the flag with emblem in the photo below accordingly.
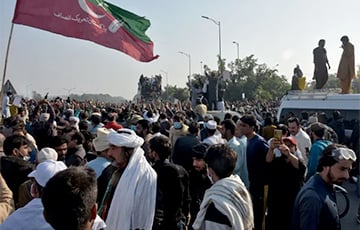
(93, 20)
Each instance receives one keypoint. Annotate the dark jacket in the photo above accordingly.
(315, 207)
(199, 183)
(75, 156)
(172, 195)
(15, 171)
(182, 154)
(285, 181)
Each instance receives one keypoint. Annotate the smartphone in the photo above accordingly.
(278, 134)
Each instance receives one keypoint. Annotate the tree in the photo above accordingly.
(256, 81)
(172, 92)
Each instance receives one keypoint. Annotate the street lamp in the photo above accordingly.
(27, 90)
(201, 67)
(218, 24)
(237, 46)
(189, 57)
(167, 81)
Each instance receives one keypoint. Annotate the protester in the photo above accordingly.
(60, 144)
(25, 188)
(228, 132)
(302, 138)
(182, 149)
(295, 78)
(200, 109)
(199, 180)
(320, 60)
(256, 151)
(76, 153)
(318, 146)
(112, 124)
(95, 120)
(31, 215)
(337, 124)
(172, 197)
(346, 70)
(6, 105)
(286, 176)
(178, 129)
(227, 203)
(143, 130)
(133, 202)
(315, 205)
(267, 131)
(69, 200)
(101, 145)
(6, 200)
(15, 165)
(213, 136)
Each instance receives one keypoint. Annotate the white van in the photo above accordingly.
(317, 102)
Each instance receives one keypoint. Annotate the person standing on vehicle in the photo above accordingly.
(320, 60)
(346, 70)
(315, 206)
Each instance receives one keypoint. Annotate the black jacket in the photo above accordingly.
(172, 195)
(15, 171)
(182, 154)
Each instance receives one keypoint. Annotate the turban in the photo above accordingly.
(125, 138)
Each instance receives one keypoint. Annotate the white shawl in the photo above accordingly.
(232, 199)
(133, 204)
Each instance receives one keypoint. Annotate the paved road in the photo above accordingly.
(349, 221)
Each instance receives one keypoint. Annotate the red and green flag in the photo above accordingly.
(93, 20)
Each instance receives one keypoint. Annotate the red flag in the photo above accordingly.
(93, 20)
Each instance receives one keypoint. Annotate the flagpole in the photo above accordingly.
(6, 59)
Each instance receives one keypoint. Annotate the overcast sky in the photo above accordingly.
(277, 32)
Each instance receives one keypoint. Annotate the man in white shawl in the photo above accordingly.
(227, 203)
(133, 203)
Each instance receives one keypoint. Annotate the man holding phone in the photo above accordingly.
(286, 176)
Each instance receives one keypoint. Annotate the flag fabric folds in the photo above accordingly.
(93, 20)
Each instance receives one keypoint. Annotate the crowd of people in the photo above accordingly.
(90, 165)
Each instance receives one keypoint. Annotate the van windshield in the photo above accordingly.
(349, 116)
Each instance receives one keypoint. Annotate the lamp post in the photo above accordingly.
(237, 46)
(189, 57)
(218, 24)
(201, 67)
(167, 81)
(27, 90)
